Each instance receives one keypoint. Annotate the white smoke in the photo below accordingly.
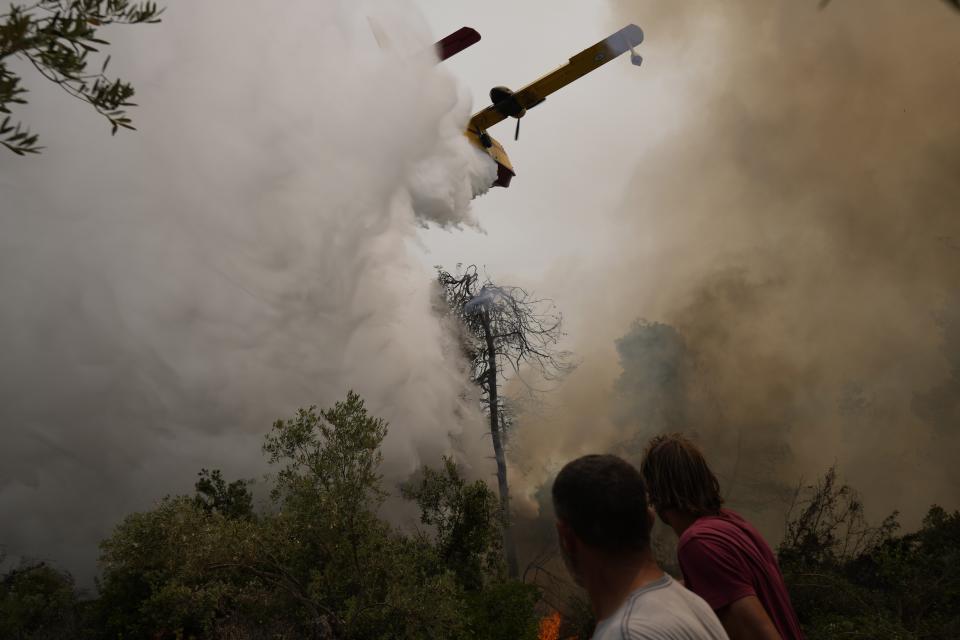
(488, 295)
(170, 292)
(444, 183)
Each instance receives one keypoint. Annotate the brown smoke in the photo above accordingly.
(793, 240)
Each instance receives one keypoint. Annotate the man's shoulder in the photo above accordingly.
(726, 524)
(668, 610)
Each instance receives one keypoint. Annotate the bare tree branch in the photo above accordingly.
(502, 329)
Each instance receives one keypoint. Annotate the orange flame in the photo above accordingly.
(550, 627)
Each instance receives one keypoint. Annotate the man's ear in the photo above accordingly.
(651, 517)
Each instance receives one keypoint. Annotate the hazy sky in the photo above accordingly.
(577, 151)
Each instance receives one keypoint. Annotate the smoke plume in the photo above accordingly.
(782, 280)
(167, 294)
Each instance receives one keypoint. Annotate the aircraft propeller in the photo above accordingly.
(506, 103)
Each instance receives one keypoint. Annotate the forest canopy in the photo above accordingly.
(317, 561)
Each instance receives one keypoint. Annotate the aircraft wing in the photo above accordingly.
(578, 66)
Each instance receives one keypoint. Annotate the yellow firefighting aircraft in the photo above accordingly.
(510, 104)
(515, 104)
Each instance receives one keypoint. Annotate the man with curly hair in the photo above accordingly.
(724, 559)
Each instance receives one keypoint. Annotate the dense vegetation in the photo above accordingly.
(319, 562)
(851, 580)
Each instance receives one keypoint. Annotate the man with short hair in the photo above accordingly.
(603, 523)
(724, 559)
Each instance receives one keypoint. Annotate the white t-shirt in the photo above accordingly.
(662, 610)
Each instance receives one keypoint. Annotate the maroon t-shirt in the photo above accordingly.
(723, 558)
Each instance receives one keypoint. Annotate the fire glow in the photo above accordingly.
(550, 627)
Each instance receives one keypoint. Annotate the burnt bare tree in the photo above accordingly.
(825, 524)
(506, 333)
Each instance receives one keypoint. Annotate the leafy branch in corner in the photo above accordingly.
(57, 37)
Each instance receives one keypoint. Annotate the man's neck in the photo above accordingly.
(612, 582)
(679, 522)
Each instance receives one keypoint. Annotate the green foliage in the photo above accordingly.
(464, 517)
(156, 572)
(503, 610)
(355, 575)
(329, 459)
(37, 601)
(214, 495)
(57, 37)
(322, 564)
(851, 580)
(319, 564)
(826, 526)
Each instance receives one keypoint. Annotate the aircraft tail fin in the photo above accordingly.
(457, 42)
